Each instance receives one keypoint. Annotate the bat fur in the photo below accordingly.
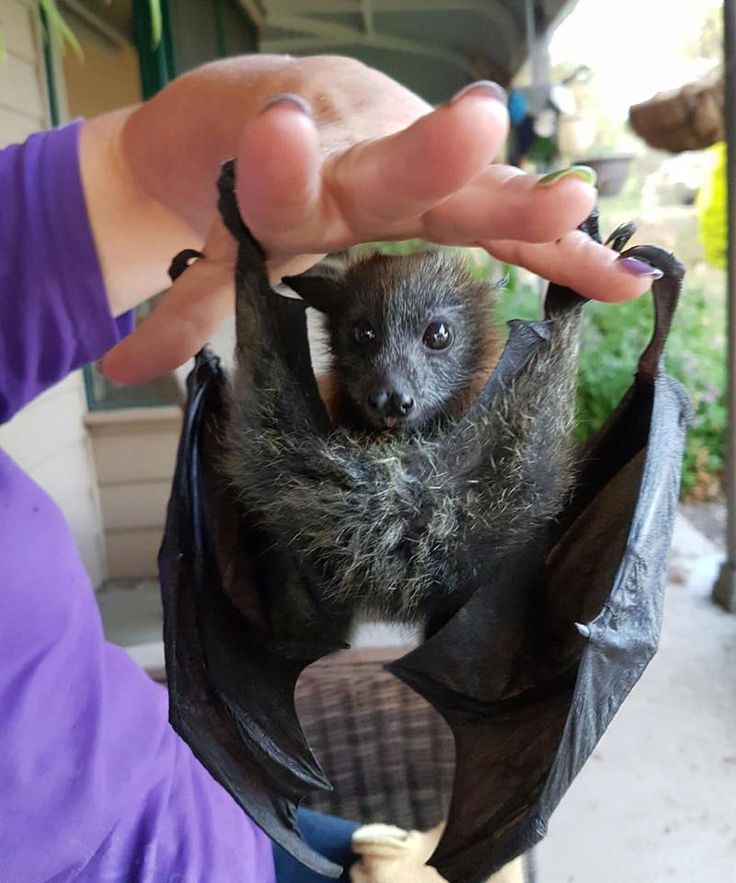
(282, 523)
(400, 301)
(393, 524)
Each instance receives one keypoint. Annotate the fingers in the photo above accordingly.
(375, 189)
(433, 179)
(505, 203)
(185, 319)
(577, 262)
(182, 323)
(382, 186)
(188, 315)
(278, 175)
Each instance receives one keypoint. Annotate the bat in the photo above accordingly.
(538, 567)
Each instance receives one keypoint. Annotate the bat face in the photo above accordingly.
(407, 337)
(528, 671)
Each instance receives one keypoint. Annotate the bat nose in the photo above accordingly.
(391, 402)
(379, 399)
(402, 403)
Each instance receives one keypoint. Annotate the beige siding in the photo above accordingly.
(48, 438)
(135, 452)
(15, 128)
(23, 105)
(45, 429)
(131, 554)
(16, 24)
(21, 88)
(141, 449)
(135, 504)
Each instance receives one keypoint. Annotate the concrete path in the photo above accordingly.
(657, 801)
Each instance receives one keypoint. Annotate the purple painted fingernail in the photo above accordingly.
(288, 98)
(639, 268)
(487, 88)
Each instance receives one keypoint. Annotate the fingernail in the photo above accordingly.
(585, 173)
(482, 87)
(288, 98)
(639, 268)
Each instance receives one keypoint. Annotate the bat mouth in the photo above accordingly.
(391, 420)
(397, 422)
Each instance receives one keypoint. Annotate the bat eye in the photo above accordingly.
(363, 334)
(437, 336)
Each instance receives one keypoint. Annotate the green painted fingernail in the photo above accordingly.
(585, 173)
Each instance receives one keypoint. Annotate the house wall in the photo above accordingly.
(23, 103)
(134, 449)
(107, 77)
(135, 452)
(59, 460)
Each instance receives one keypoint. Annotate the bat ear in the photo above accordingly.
(320, 291)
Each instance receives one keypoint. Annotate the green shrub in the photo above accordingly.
(614, 336)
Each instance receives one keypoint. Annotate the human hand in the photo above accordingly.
(433, 179)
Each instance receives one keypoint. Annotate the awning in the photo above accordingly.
(432, 46)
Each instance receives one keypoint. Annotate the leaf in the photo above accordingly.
(154, 8)
(59, 29)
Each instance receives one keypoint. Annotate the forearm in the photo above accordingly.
(149, 172)
(134, 233)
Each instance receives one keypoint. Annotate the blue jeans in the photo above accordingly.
(326, 835)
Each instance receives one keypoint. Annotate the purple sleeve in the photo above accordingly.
(94, 783)
(54, 316)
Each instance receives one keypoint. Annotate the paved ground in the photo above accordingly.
(709, 519)
(657, 802)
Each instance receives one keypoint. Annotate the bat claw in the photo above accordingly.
(621, 235)
(182, 262)
(590, 225)
(228, 206)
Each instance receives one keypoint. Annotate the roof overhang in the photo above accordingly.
(432, 46)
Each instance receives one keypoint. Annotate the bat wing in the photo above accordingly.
(231, 685)
(529, 673)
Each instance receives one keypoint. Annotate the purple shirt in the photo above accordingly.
(94, 783)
